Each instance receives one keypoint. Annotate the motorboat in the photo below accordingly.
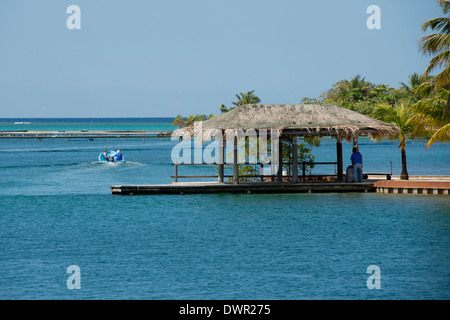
(111, 156)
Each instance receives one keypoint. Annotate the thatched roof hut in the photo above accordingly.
(301, 120)
(291, 121)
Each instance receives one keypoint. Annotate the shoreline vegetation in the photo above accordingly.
(420, 108)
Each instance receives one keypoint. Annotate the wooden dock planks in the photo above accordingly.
(199, 188)
(413, 186)
(425, 186)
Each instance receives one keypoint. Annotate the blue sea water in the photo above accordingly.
(67, 124)
(57, 210)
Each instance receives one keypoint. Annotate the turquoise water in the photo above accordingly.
(50, 124)
(57, 211)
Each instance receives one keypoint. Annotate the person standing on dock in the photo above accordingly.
(357, 163)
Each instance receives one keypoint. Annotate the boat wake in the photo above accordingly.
(119, 164)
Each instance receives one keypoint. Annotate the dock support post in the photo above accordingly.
(235, 162)
(355, 142)
(176, 172)
(340, 164)
(294, 160)
(280, 162)
(304, 170)
(221, 158)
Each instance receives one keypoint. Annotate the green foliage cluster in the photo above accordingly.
(181, 122)
(242, 99)
(364, 97)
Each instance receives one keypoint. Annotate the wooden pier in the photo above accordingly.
(255, 187)
(426, 185)
(83, 134)
(416, 185)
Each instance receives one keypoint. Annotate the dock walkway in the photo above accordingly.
(83, 134)
(438, 185)
(415, 185)
(266, 187)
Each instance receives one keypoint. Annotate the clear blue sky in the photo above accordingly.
(142, 58)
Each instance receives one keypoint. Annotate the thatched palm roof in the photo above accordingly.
(308, 119)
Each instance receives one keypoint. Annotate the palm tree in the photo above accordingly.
(433, 109)
(352, 90)
(407, 120)
(438, 45)
(246, 98)
(415, 80)
(243, 98)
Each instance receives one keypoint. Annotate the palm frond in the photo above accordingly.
(439, 24)
(425, 90)
(434, 43)
(441, 135)
(439, 61)
(442, 80)
(438, 44)
(432, 108)
(411, 123)
(445, 6)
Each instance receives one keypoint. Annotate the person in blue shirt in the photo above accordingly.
(118, 156)
(357, 163)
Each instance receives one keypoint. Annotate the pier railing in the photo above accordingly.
(287, 176)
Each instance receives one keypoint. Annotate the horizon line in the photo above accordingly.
(84, 117)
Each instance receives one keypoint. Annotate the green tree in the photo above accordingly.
(246, 98)
(304, 152)
(438, 45)
(348, 91)
(179, 122)
(242, 99)
(415, 80)
(410, 123)
(182, 122)
(307, 100)
(360, 95)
